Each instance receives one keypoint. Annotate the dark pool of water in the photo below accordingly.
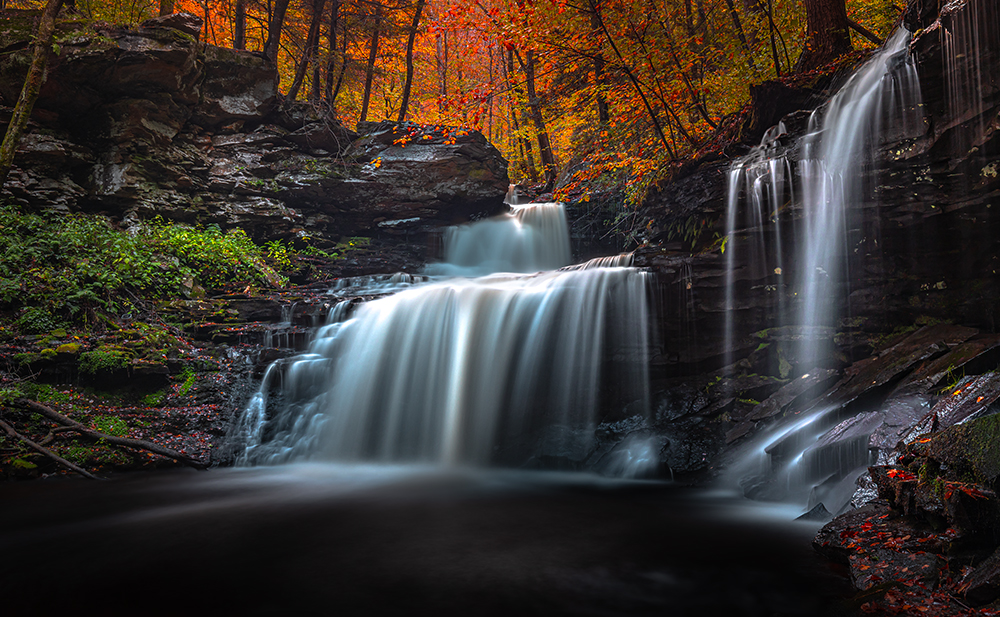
(325, 540)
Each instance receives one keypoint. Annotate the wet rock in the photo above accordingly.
(818, 513)
(794, 393)
(970, 448)
(982, 585)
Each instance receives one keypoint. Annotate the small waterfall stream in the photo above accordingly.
(490, 370)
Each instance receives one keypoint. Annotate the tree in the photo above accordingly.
(370, 68)
(274, 27)
(405, 103)
(240, 25)
(166, 7)
(311, 51)
(827, 33)
(32, 84)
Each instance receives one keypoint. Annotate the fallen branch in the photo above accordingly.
(43, 450)
(135, 444)
(865, 32)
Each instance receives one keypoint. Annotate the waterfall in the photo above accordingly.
(883, 95)
(530, 238)
(491, 370)
(880, 102)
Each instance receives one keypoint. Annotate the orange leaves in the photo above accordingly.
(901, 475)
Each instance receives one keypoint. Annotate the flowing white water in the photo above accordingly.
(880, 102)
(530, 238)
(764, 178)
(883, 95)
(495, 369)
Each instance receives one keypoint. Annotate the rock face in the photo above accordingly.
(149, 122)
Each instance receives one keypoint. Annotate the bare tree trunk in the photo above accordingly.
(274, 27)
(332, 36)
(311, 50)
(409, 61)
(370, 69)
(527, 154)
(32, 85)
(544, 147)
(240, 25)
(828, 35)
(166, 7)
(441, 61)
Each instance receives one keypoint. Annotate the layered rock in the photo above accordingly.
(150, 122)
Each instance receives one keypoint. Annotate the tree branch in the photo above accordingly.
(43, 450)
(865, 32)
(135, 444)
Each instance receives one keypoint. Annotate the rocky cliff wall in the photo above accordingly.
(148, 121)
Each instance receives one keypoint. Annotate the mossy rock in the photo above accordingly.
(970, 450)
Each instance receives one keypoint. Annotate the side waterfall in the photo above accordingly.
(881, 98)
(489, 370)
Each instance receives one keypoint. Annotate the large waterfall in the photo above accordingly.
(824, 181)
(496, 369)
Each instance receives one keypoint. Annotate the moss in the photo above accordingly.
(72, 348)
(104, 359)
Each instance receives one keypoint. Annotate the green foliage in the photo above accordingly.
(110, 425)
(64, 268)
(189, 377)
(154, 399)
(278, 253)
(20, 463)
(35, 320)
(104, 359)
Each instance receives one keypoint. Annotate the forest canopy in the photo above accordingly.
(611, 90)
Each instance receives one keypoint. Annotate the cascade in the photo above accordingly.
(491, 370)
(529, 238)
(880, 102)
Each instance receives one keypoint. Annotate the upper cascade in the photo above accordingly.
(529, 238)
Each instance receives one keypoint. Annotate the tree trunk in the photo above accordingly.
(332, 36)
(370, 69)
(274, 27)
(738, 26)
(441, 62)
(240, 25)
(166, 7)
(311, 50)
(409, 61)
(827, 33)
(544, 147)
(32, 84)
(524, 144)
(602, 102)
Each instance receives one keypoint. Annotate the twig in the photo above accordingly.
(135, 444)
(43, 450)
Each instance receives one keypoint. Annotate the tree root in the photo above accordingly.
(135, 444)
